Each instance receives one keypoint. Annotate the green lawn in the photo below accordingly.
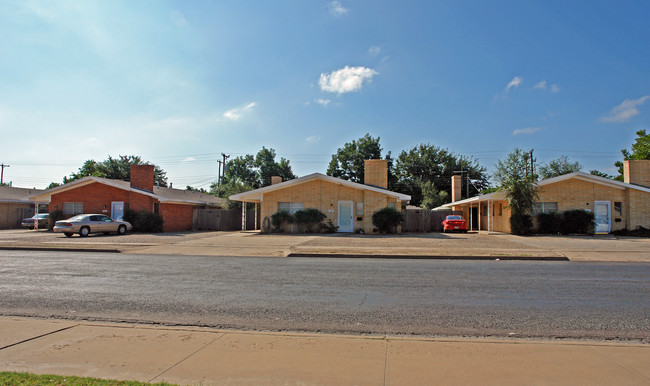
(11, 379)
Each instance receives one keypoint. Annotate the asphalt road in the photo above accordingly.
(377, 296)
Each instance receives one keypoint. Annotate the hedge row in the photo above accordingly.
(571, 222)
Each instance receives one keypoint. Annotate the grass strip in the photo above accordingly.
(13, 378)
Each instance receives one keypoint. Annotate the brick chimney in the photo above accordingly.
(275, 180)
(637, 172)
(456, 187)
(142, 177)
(375, 173)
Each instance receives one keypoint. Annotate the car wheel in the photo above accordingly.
(68, 234)
(121, 230)
(84, 231)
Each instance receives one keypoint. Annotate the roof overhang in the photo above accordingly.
(257, 195)
(46, 196)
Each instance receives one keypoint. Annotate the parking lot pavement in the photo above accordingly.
(205, 356)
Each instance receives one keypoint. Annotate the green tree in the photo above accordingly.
(53, 185)
(640, 150)
(348, 162)
(558, 167)
(514, 175)
(249, 172)
(422, 167)
(600, 174)
(268, 167)
(116, 168)
(432, 197)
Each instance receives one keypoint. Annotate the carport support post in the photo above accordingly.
(479, 216)
(255, 226)
(243, 215)
(36, 216)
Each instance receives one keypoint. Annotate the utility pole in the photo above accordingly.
(532, 164)
(219, 174)
(2, 174)
(225, 157)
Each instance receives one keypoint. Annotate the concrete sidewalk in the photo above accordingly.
(205, 356)
(414, 245)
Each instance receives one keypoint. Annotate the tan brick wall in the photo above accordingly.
(375, 172)
(576, 194)
(325, 195)
(638, 209)
(637, 172)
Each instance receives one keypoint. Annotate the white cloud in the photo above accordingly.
(178, 18)
(540, 85)
(555, 88)
(347, 79)
(322, 102)
(337, 9)
(312, 139)
(189, 159)
(526, 130)
(515, 82)
(625, 111)
(374, 50)
(236, 113)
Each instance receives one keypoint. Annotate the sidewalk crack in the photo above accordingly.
(186, 358)
(38, 336)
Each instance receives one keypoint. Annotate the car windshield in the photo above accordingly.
(44, 215)
(453, 218)
(78, 217)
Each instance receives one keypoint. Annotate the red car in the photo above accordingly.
(454, 223)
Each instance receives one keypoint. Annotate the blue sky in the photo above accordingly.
(180, 82)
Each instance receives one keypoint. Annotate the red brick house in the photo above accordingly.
(113, 197)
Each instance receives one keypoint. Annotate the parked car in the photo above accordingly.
(454, 223)
(43, 219)
(85, 224)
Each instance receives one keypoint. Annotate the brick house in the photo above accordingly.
(616, 205)
(113, 197)
(349, 205)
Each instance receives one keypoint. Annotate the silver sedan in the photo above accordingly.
(85, 224)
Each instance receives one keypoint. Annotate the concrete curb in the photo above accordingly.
(430, 257)
(58, 249)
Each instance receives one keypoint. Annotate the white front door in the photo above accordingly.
(117, 210)
(345, 221)
(602, 217)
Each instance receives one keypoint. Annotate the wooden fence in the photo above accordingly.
(221, 219)
(422, 220)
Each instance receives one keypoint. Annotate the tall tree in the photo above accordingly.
(558, 167)
(252, 172)
(116, 168)
(640, 150)
(428, 164)
(348, 162)
(514, 175)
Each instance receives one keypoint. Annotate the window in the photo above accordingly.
(72, 208)
(359, 208)
(618, 208)
(544, 207)
(291, 207)
(391, 205)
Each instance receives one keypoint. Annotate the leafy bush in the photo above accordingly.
(54, 217)
(387, 219)
(280, 220)
(143, 221)
(310, 219)
(521, 224)
(638, 232)
(548, 223)
(329, 227)
(577, 221)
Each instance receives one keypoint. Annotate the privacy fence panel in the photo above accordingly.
(422, 220)
(221, 220)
